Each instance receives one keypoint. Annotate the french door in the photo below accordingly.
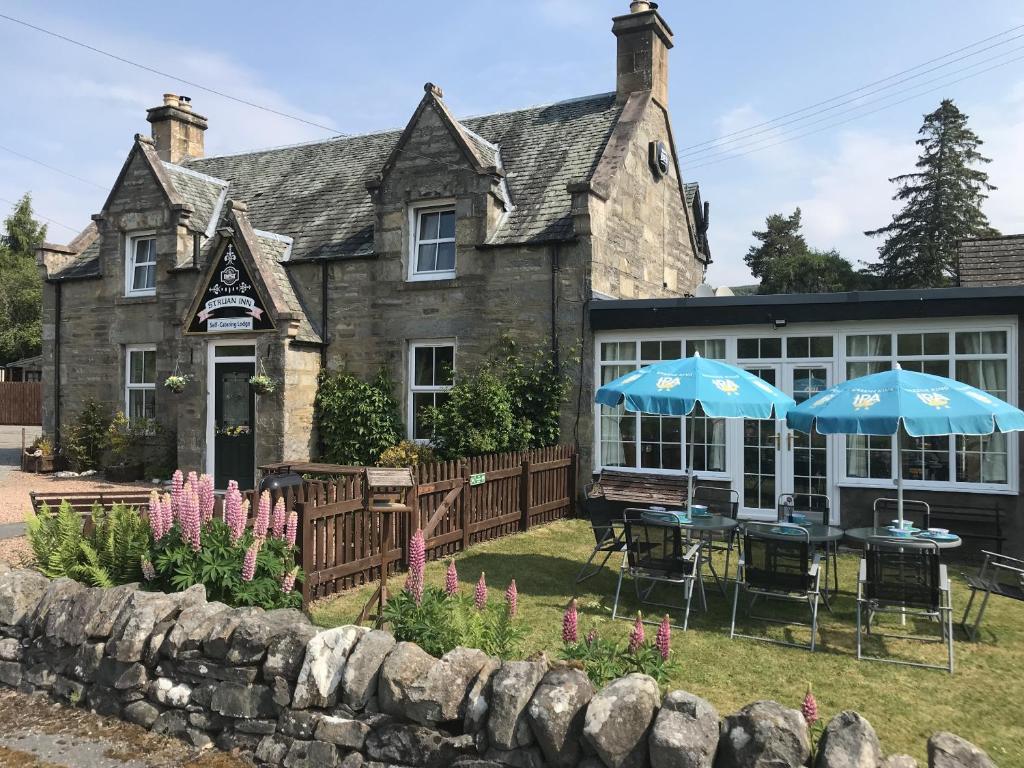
(779, 460)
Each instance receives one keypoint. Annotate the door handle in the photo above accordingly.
(778, 439)
(789, 441)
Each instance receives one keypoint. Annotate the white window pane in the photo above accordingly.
(426, 261)
(618, 350)
(445, 257)
(423, 366)
(444, 366)
(149, 402)
(420, 400)
(873, 345)
(428, 225)
(447, 224)
(149, 366)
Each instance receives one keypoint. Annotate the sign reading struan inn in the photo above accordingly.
(230, 301)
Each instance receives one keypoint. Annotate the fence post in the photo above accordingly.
(463, 504)
(525, 485)
(306, 551)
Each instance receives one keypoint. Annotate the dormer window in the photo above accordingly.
(433, 243)
(140, 265)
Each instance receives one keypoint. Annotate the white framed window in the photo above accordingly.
(431, 377)
(140, 382)
(432, 252)
(140, 265)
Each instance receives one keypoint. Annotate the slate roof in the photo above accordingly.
(690, 190)
(274, 251)
(204, 193)
(315, 193)
(991, 261)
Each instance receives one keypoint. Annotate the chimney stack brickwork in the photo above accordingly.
(177, 130)
(641, 61)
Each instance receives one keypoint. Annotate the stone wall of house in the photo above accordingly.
(287, 693)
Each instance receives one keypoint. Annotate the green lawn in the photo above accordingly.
(980, 701)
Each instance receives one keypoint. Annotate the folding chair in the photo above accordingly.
(778, 566)
(918, 512)
(654, 555)
(999, 575)
(903, 576)
(724, 502)
(817, 508)
(607, 528)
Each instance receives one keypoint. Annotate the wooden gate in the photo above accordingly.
(21, 403)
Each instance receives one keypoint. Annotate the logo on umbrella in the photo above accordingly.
(728, 386)
(631, 379)
(668, 382)
(934, 399)
(865, 401)
(824, 399)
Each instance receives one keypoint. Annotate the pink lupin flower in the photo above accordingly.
(167, 513)
(191, 523)
(262, 522)
(636, 635)
(451, 579)
(291, 529)
(571, 624)
(663, 640)
(234, 516)
(809, 708)
(207, 498)
(591, 637)
(277, 527)
(288, 581)
(480, 593)
(417, 562)
(156, 516)
(512, 599)
(177, 485)
(193, 482)
(249, 564)
(148, 571)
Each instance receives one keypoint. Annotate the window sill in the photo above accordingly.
(137, 298)
(424, 284)
(930, 487)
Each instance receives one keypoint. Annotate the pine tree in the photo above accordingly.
(781, 240)
(20, 285)
(942, 203)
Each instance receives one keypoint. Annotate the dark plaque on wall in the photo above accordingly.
(230, 303)
(660, 158)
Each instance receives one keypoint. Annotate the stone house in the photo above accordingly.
(415, 250)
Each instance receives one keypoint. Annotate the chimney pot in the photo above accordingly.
(639, 6)
(170, 99)
(185, 103)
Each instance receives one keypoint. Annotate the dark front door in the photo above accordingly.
(234, 455)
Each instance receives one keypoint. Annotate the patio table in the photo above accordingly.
(704, 527)
(860, 537)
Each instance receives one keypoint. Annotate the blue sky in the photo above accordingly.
(361, 66)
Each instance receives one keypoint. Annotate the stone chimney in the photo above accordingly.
(177, 130)
(641, 61)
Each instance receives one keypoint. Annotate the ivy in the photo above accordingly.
(357, 420)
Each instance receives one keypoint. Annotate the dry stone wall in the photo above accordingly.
(286, 693)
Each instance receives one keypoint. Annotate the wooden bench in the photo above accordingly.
(83, 502)
(636, 488)
(971, 523)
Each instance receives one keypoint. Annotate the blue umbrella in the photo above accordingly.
(923, 403)
(675, 387)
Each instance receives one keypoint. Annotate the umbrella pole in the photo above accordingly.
(689, 462)
(899, 475)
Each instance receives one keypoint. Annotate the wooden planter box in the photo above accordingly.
(40, 464)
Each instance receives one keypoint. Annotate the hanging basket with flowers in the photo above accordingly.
(176, 383)
(262, 384)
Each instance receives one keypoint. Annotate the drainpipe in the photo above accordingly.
(56, 362)
(556, 267)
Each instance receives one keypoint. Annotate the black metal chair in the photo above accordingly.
(778, 566)
(916, 511)
(817, 508)
(654, 554)
(905, 577)
(724, 502)
(999, 575)
(606, 523)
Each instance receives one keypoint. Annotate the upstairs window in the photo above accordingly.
(433, 241)
(140, 265)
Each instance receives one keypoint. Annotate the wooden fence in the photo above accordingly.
(347, 540)
(21, 403)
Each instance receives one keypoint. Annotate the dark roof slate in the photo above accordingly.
(992, 261)
(315, 193)
(204, 193)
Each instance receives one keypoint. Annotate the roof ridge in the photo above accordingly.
(573, 100)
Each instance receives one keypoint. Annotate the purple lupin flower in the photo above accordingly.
(636, 635)
(191, 523)
(571, 624)
(167, 513)
(512, 599)
(480, 593)
(262, 522)
(277, 527)
(417, 562)
(177, 485)
(291, 529)
(591, 637)
(809, 708)
(288, 581)
(249, 564)
(156, 516)
(148, 571)
(234, 515)
(451, 579)
(207, 499)
(663, 640)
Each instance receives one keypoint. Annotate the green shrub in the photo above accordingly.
(110, 554)
(85, 441)
(407, 453)
(357, 420)
(125, 438)
(537, 389)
